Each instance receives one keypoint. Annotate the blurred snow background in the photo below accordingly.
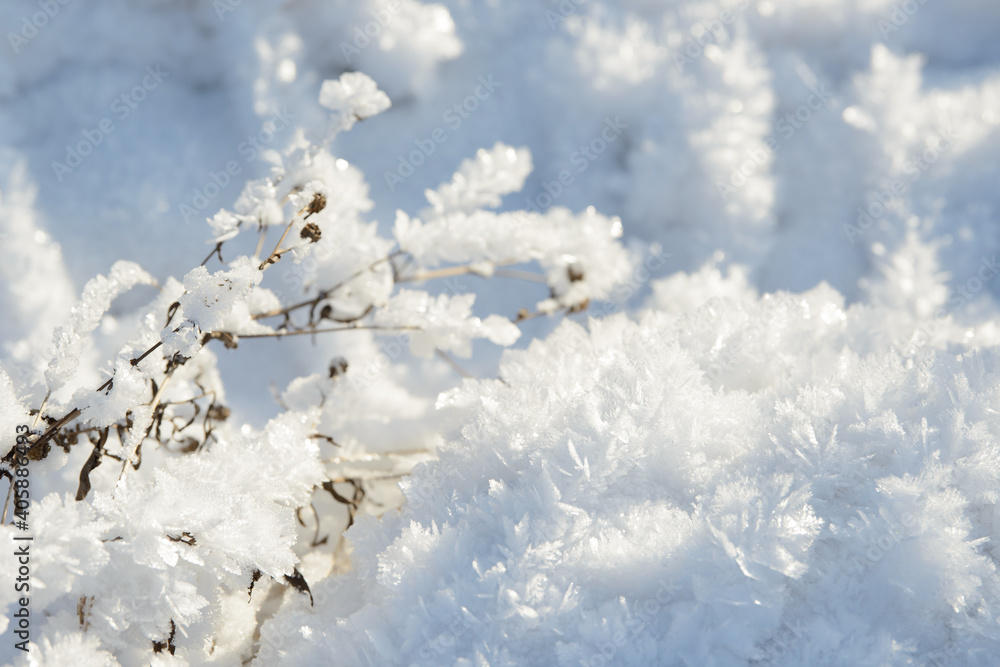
(703, 90)
(854, 143)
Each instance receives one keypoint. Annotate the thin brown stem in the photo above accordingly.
(38, 415)
(439, 273)
(521, 275)
(449, 271)
(464, 269)
(324, 294)
(288, 309)
(76, 412)
(6, 503)
(388, 258)
(190, 400)
(277, 255)
(524, 315)
(59, 424)
(137, 361)
(272, 258)
(128, 455)
(216, 251)
(260, 242)
(304, 332)
(454, 364)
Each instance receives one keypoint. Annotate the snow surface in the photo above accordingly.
(759, 427)
(652, 493)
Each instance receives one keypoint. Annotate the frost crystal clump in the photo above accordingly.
(164, 533)
(580, 253)
(740, 480)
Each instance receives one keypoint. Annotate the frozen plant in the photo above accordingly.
(163, 529)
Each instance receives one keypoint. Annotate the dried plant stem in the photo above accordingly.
(304, 332)
(76, 412)
(216, 251)
(127, 459)
(327, 292)
(524, 315)
(137, 360)
(439, 273)
(450, 271)
(271, 259)
(521, 275)
(454, 364)
(45, 437)
(260, 242)
(474, 269)
(6, 503)
(10, 489)
(38, 415)
(276, 255)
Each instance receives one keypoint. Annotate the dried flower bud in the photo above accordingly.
(218, 413)
(338, 367)
(39, 451)
(317, 204)
(312, 232)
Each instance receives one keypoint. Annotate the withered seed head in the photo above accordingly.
(39, 451)
(338, 367)
(312, 232)
(317, 204)
(218, 413)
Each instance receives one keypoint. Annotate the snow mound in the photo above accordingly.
(731, 484)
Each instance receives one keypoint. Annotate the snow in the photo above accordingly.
(735, 467)
(617, 333)
(354, 97)
(71, 648)
(482, 182)
(14, 413)
(443, 323)
(209, 299)
(580, 253)
(95, 301)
